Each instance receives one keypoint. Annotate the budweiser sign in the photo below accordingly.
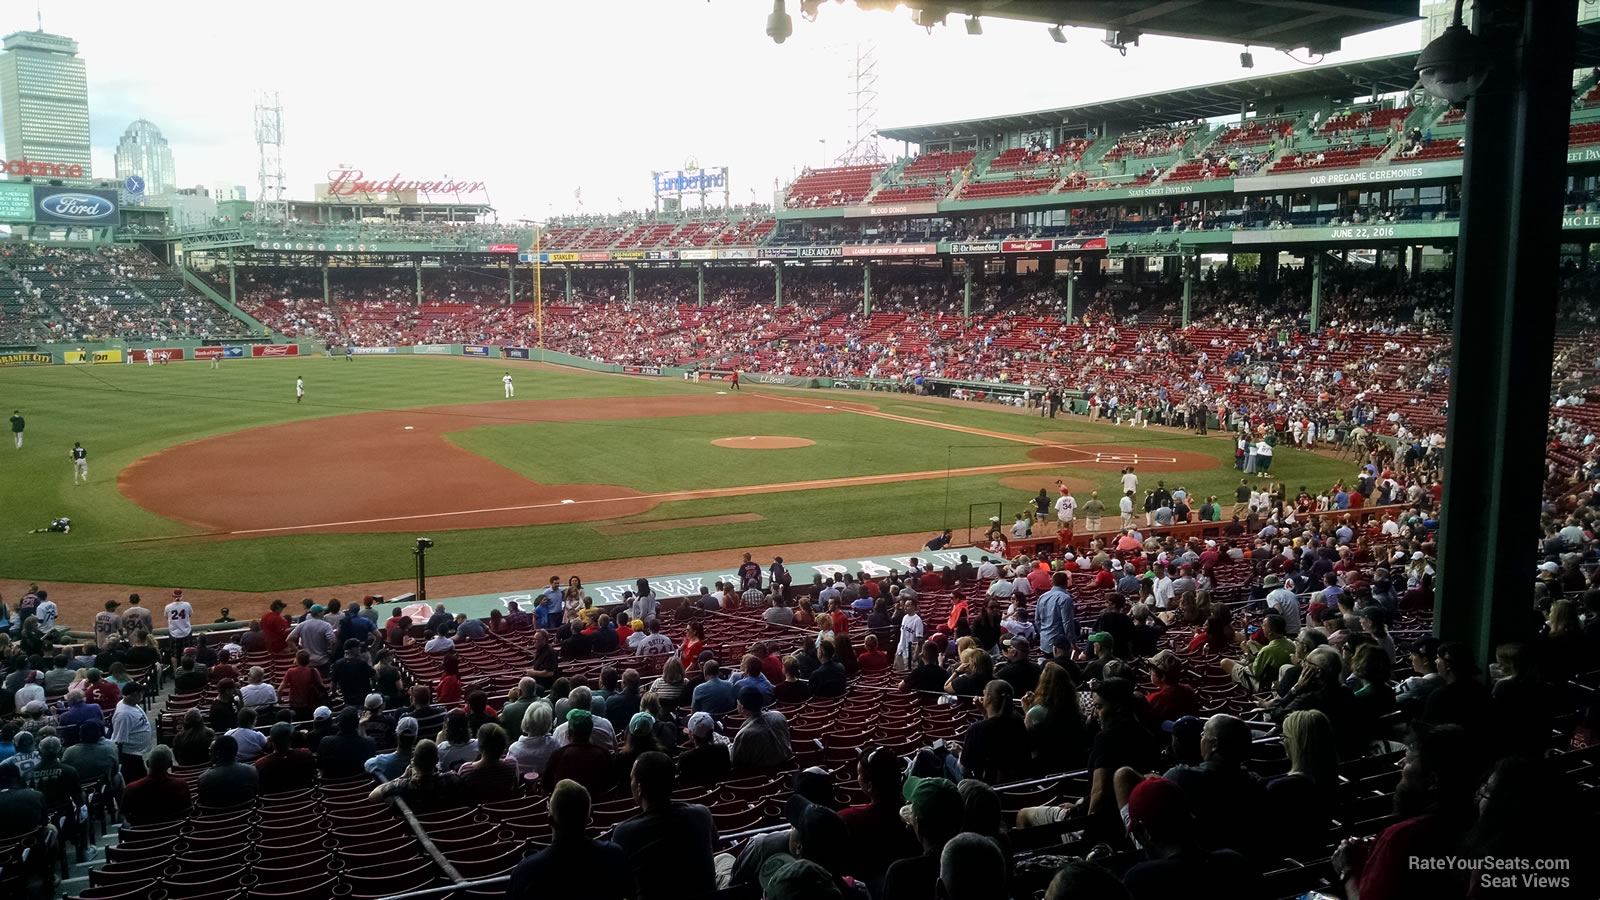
(346, 182)
(26, 166)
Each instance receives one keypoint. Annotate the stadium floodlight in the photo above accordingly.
(1452, 67)
(1119, 40)
(974, 27)
(1057, 35)
(1246, 60)
(779, 25)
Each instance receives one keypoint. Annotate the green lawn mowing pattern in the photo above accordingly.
(122, 413)
(654, 455)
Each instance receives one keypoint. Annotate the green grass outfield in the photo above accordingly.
(123, 413)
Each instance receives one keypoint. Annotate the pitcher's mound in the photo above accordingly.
(762, 442)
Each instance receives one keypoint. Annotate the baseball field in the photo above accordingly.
(218, 479)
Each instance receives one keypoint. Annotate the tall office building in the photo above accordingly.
(145, 153)
(44, 100)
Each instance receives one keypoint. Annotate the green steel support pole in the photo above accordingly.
(1188, 289)
(419, 281)
(1072, 287)
(866, 291)
(701, 295)
(327, 292)
(233, 281)
(966, 293)
(1316, 291)
(511, 283)
(1513, 179)
(630, 284)
(569, 285)
(777, 285)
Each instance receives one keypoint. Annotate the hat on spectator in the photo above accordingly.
(1550, 567)
(1183, 726)
(322, 713)
(822, 833)
(407, 725)
(578, 715)
(373, 701)
(933, 798)
(34, 708)
(1272, 581)
(1166, 662)
(701, 725)
(1020, 643)
(642, 722)
(1210, 543)
(814, 784)
(1157, 804)
(1427, 647)
(318, 609)
(1100, 637)
(785, 878)
(1416, 554)
(1375, 614)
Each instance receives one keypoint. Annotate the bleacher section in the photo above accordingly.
(839, 186)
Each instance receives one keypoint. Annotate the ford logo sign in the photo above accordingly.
(77, 206)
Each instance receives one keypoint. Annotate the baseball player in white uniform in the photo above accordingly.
(80, 464)
(510, 391)
(299, 388)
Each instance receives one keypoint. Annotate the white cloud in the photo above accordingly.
(539, 98)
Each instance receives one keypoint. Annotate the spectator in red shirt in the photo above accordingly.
(694, 641)
(580, 760)
(771, 663)
(1169, 699)
(930, 580)
(1039, 578)
(275, 628)
(877, 832)
(1103, 579)
(286, 767)
(839, 621)
(1434, 801)
(158, 797)
(449, 687)
(872, 659)
(302, 688)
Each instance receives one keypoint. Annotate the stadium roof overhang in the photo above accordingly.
(1282, 24)
(1344, 81)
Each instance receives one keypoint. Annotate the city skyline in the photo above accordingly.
(44, 102)
(142, 151)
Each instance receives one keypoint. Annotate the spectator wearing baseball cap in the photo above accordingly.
(1413, 692)
(762, 742)
(1103, 647)
(818, 860)
(707, 755)
(1160, 820)
(391, 765)
(935, 811)
(1169, 698)
(286, 767)
(580, 759)
(574, 864)
(1021, 672)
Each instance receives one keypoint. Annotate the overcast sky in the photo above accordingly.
(539, 99)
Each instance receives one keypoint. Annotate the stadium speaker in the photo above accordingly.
(974, 26)
(779, 25)
(1057, 35)
(1246, 60)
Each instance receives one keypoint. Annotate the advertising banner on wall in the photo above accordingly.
(26, 359)
(218, 352)
(1038, 246)
(821, 252)
(514, 352)
(641, 370)
(627, 254)
(269, 350)
(161, 354)
(373, 351)
(661, 254)
(960, 247)
(565, 257)
(434, 349)
(775, 253)
(736, 253)
(75, 206)
(594, 256)
(475, 350)
(1094, 243)
(16, 202)
(698, 253)
(892, 250)
(503, 248)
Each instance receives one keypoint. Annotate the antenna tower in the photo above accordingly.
(271, 203)
(864, 147)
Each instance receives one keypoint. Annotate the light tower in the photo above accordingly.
(271, 203)
(864, 147)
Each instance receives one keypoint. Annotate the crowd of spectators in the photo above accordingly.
(64, 294)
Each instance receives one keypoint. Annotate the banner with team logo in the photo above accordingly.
(261, 350)
(475, 350)
(514, 352)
